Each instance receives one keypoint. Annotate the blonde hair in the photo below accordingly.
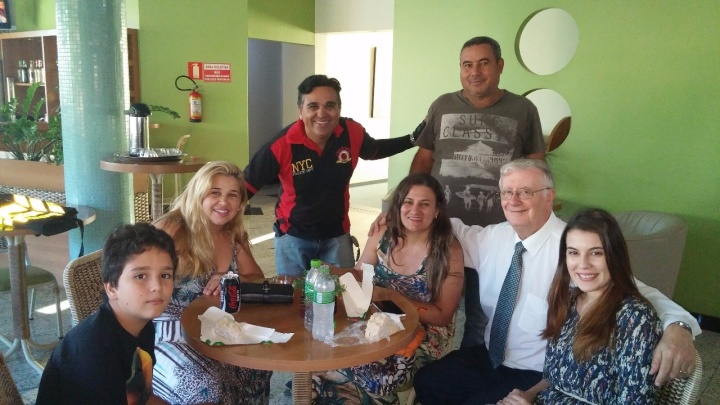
(193, 241)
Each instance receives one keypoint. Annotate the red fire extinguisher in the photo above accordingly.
(194, 100)
(195, 106)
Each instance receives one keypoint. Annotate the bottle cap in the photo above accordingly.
(315, 263)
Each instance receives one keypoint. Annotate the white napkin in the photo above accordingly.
(253, 334)
(357, 299)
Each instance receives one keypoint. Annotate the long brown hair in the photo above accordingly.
(597, 326)
(193, 241)
(440, 238)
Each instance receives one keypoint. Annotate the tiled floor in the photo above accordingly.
(363, 211)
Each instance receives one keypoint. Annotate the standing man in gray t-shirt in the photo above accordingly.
(468, 135)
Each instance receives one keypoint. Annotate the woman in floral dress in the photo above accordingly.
(206, 224)
(416, 254)
(601, 331)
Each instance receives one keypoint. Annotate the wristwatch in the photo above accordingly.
(683, 325)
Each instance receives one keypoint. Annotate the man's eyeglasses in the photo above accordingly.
(523, 193)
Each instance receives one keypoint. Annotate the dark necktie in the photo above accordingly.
(505, 307)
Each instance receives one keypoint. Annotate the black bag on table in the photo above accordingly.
(266, 293)
(42, 217)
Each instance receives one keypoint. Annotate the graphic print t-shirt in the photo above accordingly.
(470, 145)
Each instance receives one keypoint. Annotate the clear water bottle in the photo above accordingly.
(309, 289)
(323, 327)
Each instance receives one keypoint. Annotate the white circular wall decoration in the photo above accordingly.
(551, 106)
(548, 41)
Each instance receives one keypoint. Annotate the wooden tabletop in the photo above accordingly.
(302, 353)
(188, 164)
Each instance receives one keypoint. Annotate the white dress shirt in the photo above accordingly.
(490, 250)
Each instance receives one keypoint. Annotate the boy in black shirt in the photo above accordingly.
(108, 357)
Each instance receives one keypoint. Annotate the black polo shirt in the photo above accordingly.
(314, 195)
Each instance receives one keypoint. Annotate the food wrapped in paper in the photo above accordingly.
(229, 329)
(381, 325)
(217, 327)
(360, 333)
(357, 299)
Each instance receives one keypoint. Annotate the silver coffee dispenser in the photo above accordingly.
(139, 128)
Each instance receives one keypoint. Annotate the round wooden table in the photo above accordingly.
(302, 354)
(18, 287)
(155, 169)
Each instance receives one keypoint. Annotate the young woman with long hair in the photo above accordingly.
(601, 331)
(416, 254)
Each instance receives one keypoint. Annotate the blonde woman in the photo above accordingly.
(206, 223)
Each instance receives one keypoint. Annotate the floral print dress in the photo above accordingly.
(618, 375)
(378, 382)
(183, 376)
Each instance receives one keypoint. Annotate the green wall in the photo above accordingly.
(33, 15)
(175, 32)
(644, 97)
(286, 21)
(642, 88)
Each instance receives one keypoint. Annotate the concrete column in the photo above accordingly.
(93, 73)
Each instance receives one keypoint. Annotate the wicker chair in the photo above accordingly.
(83, 285)
(34, 276)
(683, 392)
(142, 207)
(9, 394)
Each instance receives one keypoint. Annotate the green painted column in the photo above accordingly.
(92, 68)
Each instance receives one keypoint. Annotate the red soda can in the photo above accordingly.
(230, 293)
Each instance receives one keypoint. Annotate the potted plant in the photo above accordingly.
(24, 138)
(20, 132)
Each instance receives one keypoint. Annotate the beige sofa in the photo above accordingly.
(656, 241)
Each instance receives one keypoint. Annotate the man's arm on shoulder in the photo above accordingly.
(674, 356)
(467, 235)
(373, 149)
(422, 162)
(667, 310)
(382, 148)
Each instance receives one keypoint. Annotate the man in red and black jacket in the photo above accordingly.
(314, 159)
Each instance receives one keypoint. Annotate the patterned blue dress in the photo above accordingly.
(612, 376)
(378, 382)
(183, 376)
